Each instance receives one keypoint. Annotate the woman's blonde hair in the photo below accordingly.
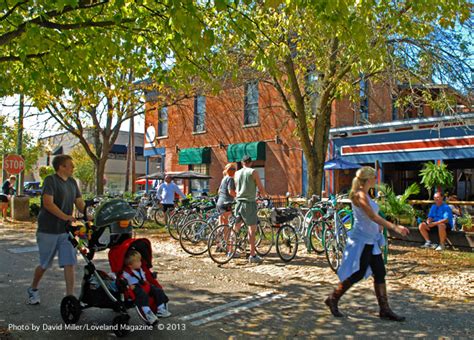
(362, 176)
(228, 166)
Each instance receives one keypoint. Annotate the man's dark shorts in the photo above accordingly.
(3, 198)
(222, 208)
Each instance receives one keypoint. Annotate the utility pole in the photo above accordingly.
(19, 144)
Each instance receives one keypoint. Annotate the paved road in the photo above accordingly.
(238, 300)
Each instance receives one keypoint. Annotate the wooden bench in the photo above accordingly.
(458, 239)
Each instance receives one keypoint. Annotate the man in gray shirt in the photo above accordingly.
(60, 194)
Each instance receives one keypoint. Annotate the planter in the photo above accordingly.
(21, 208)
(468, 228)
(406, 220)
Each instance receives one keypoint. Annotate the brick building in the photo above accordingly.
(206, 132)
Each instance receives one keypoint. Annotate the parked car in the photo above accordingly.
(32, 188)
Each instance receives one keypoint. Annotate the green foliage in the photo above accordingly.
(45, 171)
(395, 207)
(35, 205)
(129, 196)
(84, 167)
(8, 144)
(434, 176)
(56, 44)
(465, 221)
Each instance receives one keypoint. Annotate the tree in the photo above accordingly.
(84, 167)
(56, 44)
(8, 139)
(315, 52)
(95, 117)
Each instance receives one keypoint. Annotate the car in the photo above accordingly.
(32, 188)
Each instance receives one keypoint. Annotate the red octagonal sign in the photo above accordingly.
(13, 164)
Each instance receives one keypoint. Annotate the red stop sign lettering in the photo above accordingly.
(13, 164)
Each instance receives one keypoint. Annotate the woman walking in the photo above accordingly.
(226, 193)
(363, 255)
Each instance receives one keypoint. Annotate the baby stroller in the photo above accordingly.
(111, 230)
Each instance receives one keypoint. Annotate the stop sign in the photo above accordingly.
(13, 164)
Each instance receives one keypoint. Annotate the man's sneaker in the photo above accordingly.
(163, 311)
(33, 296)
(440, 247)
(151, 317)
(427, 244)
(255, 259)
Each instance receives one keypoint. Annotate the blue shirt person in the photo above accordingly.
(166, 192)
(440, 217)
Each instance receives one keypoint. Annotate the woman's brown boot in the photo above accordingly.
(333, 298)
(385, 312)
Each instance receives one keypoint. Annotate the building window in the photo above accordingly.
(163, 122)
(251, 103)
(364, 99)
(198, 187)
(199, 113)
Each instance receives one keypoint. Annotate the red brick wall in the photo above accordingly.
(224, 123)
(380, 103)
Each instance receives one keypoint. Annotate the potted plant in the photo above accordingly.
(466, 222)
(436, 176)
(396, 208)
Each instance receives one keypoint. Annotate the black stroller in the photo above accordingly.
(111, 230)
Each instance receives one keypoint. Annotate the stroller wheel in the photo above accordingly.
(70, 309)
(120, 323)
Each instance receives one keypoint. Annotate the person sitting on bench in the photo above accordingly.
(441, 217)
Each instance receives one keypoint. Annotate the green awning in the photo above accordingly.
(195, 156)
(255, 150)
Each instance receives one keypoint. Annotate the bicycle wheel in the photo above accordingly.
(159, 217)
(264, 237)
(174, 223)
(286, 243)
(139, 219)
(332, 249)
(221, 245)
(193, 237)
(316, 236)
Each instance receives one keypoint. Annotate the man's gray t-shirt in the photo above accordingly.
(226, 185)
(64, 195)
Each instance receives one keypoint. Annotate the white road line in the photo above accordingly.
(237, 309)
(23, 250)
(225, 306)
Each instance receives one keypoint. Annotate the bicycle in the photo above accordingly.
(194, 235)
(224, 241)
(335, 228)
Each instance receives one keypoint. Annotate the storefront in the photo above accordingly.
(398, 149)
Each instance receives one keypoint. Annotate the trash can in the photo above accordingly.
(20, 208)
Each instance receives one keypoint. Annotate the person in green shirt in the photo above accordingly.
(246, 182)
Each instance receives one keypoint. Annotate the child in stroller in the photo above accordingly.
(143, 289)
(111, 230)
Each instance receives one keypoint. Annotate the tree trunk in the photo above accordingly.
(100, 166)
(316, 156)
